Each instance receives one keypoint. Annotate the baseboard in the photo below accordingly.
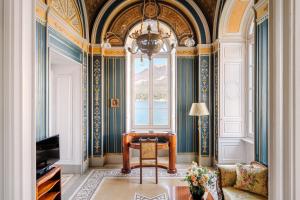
(186, 158)
(114, 158)
(71, 168)
(96, 161)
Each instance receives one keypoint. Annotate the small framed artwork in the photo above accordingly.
(115, 103)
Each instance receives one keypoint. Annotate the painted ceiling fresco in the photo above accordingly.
(208, 8)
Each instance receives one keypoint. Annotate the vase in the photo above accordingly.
(197, 195)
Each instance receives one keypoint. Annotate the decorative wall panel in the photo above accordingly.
(114, 117)
(204, 95)
(187, 94)
(97, 109)
(85, 105)
(216, 103)
(231, 90)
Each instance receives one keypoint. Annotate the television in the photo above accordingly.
(47, 154)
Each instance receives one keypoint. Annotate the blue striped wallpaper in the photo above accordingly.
(41, 101)
(262, 99)
(115, 118)
(187, 72)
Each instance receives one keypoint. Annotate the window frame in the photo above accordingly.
(250, 40)
(151, 126)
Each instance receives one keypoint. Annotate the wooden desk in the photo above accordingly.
(130, 141)
(183, 193)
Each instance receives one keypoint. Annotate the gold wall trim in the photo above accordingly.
(186, 51)
(204, 49)
(262, 10)
(114, 52)
(95, 50)
(40, 12)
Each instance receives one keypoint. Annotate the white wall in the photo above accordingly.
(66, 114)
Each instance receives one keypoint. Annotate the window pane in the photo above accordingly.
(160, 92)
(141, 85)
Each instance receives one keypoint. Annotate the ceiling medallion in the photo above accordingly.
(150, 38)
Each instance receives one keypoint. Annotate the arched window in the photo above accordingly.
(151, 97)
(250, 81)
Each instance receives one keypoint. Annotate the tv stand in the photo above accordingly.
(48, 186)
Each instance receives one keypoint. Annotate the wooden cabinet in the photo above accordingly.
(48, 187)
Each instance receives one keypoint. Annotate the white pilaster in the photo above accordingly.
(284, 142)
(18, 86)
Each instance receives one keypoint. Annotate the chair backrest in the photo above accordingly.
(148, 149)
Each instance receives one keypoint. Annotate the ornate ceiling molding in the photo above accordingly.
(131, 16)
(69, 12)
(113, 7)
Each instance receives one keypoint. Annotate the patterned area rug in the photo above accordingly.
(158, 197)
(87, 189)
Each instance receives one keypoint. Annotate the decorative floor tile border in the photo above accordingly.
(89, 186)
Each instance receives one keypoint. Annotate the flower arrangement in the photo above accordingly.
(199, 179)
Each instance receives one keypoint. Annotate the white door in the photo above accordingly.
(65, 113)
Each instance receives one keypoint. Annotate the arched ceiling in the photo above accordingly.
(208, 8)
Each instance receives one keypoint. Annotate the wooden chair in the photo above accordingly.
(148, 151)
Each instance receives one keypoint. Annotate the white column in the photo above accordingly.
(284, 100)
(296, 131)
(18, 98)
(1, 103)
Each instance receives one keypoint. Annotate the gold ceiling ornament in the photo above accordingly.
(151, 40)
(69, 12)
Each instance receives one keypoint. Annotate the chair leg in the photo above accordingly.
(141, 174)
(156, 175)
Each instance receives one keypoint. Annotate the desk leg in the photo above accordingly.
(172, 155)
(126, 162)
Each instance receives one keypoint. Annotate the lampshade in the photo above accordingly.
(198, 109)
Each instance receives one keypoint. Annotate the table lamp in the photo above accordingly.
(199, 109)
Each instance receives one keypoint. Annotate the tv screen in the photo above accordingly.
(47, 153)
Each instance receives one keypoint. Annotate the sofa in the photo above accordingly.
(228, 184)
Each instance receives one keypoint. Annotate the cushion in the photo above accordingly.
(227, 175)
(231, 193)
(252, 178)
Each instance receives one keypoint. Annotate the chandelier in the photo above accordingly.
(149, 39)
